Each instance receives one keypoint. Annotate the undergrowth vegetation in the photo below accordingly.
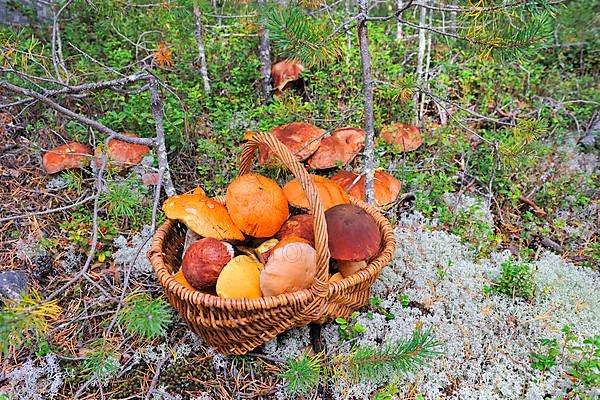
(500, 168)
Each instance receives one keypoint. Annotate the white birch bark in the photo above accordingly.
(201, 52)
(420, 60)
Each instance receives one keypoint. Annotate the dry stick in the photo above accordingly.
(156, 376)
(57, 55)
(53, 210)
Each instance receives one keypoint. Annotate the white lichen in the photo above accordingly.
(35, 382)
(133, 253)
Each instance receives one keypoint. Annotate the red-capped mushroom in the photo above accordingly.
(284, 72)
(302, 138)
(339, 149)
(203, 261)
(123, 154)
(403, 137)
(67, 156)
(300, 225)
(387, 187)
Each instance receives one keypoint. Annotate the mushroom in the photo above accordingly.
(339, 149)
(301, 138)
(240, 278)
(257, 205)
(204, 216)
(403, 137)
(180, 278)
(123, 154)
(300, 225)
(203, 261)
(264, 250)
(347, 268)
(387, 187)
(67, 156)
(336, 277)
(353, 234)
(290, 268)
(284, 72)
(330, 193)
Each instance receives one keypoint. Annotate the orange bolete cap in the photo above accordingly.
(125, 154)
(257, 205)
(180, 278)
(338, 149)
(404, 137)
(353, 234)
(203, 261)
(300, 225)
(240, 278)
(302, 138)
(202, 215)
(387, 187)
(284, 72)
(330, 193)
(290, 268)
(67, 156)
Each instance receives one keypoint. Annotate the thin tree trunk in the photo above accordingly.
(365, 58)
(201, 52)
(348, 35)
(264, 54)
(420, 60)
(427, 65)
(399, 24)
(453, 18)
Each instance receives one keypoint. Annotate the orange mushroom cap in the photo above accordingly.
(180, 278)
(126, 154)
(284, 72)
(353, 234)
(290, 268)
(202, 215)
(240, 278)
(257, 205)
(301, 138)
(339, 149)
(330, 193)
(404, 137)
(67, 156)
(387, 187)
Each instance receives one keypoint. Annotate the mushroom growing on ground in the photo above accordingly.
(257, 205)
(123, 154)
(339, 149)
(284, 72)
(202, 215)
(300, 225)
(290, 268)
(387, 187)
(203, 261)
(67, 156)
(353, 234)
(404, 137)
(301, 138)
(240, 278)
(330, 193)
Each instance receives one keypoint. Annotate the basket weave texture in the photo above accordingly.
(236, 326)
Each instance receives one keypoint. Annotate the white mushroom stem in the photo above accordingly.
(347, 268)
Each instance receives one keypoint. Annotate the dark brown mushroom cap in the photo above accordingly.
(203, 261)
(300, 225)
(404, 137)
(353, 234)
(302, 138)
(67, 156)
(338, 149)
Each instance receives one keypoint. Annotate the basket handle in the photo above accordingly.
(320, 286)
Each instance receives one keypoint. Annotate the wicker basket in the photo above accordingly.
(236, 326)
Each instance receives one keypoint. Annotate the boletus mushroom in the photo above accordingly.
(204, 216)
(330, 193)
(300, 225)
(403, 137)
(339, 149)
(180, 278)
(67, 156)
(387, 187)
(203, 261)
(301, 138)
(353, 236)
(240, 278)
(257, 205)
(290, 268)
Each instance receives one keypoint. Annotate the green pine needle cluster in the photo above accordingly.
(101, 361)
(294, 35)
(144, 316)
(303, 374)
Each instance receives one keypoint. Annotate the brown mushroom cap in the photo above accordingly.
(257, 205)
(240, 278)
(285, 71)
(126, 154)
(338, 149)
(70, 155)
(353, 234)
(202, 215)
(404, 137)
(387, 187)
(301, 138)
(300, 225)
(290, 268)
(203, 261)
(180, 278)
(337, 277)
(347, 268)
(330, 193)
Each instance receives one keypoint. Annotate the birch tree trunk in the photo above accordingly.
(201, 52)
(399, 4)
(367, 86)
(264, 54)
(420, 60)
(453, 18)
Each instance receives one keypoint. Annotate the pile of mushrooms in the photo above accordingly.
(251, 246)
